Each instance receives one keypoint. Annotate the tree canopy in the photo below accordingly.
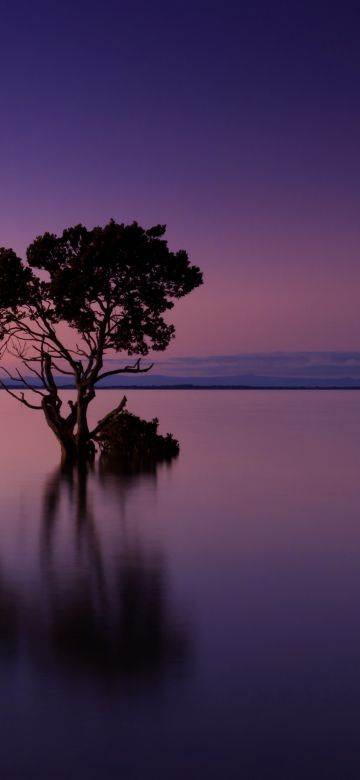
(112, 286)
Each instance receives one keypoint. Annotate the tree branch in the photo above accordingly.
(22, 399)
(108, 416)
(21, 378)
(28, 385)
(135, 369)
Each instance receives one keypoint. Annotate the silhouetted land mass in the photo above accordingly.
(230, 387)
(189, 386)
(129, 441)
(112, 287)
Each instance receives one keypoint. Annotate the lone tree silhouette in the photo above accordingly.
(110, 286)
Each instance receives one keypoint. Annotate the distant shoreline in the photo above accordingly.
(197, 387)
(217, 387)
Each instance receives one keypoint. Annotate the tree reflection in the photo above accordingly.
(9, 619)
(95, 615)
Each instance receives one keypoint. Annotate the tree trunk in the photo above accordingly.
(85, 447)
(62, 428)
(76, 447)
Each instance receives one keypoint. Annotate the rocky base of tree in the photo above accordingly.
(132, 442)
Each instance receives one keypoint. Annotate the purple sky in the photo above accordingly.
(237, 124)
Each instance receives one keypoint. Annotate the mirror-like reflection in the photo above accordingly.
(107, 616)
(251, 539)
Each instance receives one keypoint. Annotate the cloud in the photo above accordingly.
(268, 364)
(311, 366)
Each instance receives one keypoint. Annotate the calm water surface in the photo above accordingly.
(199, 622)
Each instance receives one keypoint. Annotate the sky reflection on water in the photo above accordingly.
(201, 620)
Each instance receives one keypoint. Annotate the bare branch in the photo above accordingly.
(30, 387)
(32, 369)
(50, 381)
(135, 369)
(80, 351)
(108, 416)
(13, 378)
(62, 370)
(21, 378)
(22, 399)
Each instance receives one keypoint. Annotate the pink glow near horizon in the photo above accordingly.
(247, 148)
(267, 292)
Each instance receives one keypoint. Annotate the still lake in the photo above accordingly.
(199, 622)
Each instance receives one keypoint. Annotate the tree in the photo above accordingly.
(111, 286)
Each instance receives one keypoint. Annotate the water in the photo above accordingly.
(201, 621)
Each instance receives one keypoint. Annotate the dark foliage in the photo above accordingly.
(121, 272)
(135, 442)
(113, 286)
